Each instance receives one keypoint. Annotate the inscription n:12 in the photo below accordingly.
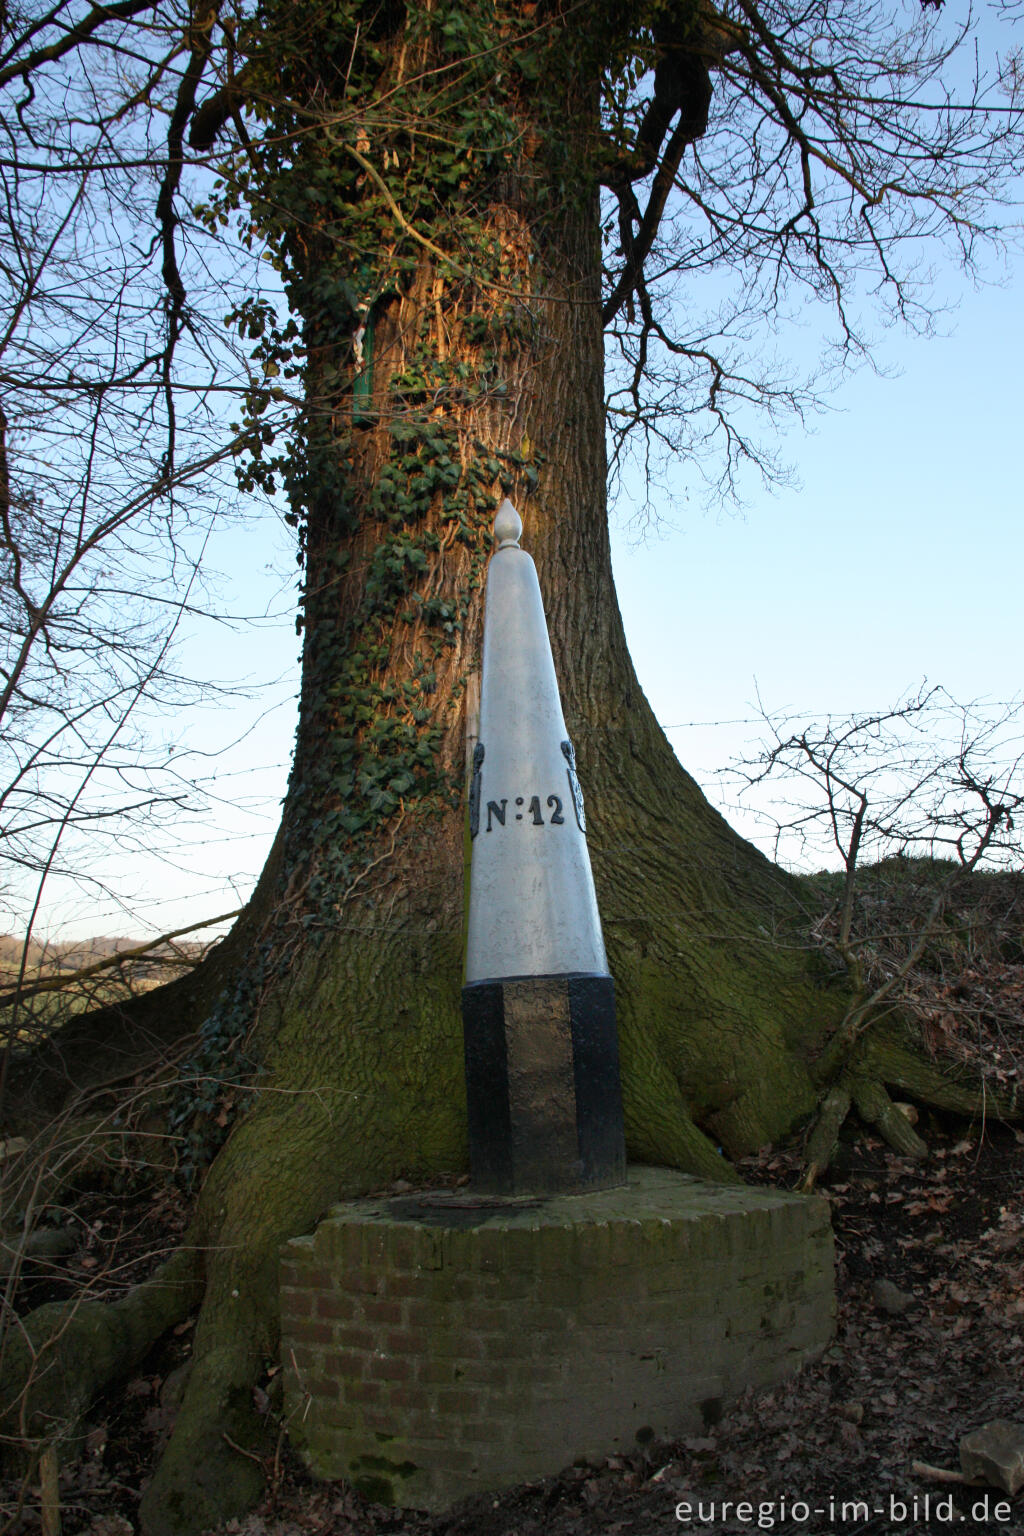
(496, 812)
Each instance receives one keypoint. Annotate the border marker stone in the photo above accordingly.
(538, 1005)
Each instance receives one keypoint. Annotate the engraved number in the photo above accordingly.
(496, 812)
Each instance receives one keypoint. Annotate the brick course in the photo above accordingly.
(443, 1345)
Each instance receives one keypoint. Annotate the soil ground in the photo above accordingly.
(897, 1387)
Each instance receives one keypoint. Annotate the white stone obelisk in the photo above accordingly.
(538, 1003)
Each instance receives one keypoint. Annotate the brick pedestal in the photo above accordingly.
(439, 1345)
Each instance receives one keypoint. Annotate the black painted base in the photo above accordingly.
(542, 1084)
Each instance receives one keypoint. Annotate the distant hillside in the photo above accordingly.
(55, 959)
(68, 956)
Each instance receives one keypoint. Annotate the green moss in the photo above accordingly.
(64, 1354)
(382, 1464)
(379, 1490)
(378, 1479)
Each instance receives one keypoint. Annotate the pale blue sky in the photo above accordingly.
(899, 556)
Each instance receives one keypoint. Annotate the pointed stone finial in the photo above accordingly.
(508, 526)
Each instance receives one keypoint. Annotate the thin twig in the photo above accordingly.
(937, 1474)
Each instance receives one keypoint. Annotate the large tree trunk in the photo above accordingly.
(487, 376)
(359, 1034)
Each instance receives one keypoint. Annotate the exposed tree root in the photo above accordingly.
(214, 1462)
(886, 1059)
(876, 1108)
(58, 1359)
(824, 1135)
(891, 1054)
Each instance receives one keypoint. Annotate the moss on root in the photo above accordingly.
(57, 1361)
